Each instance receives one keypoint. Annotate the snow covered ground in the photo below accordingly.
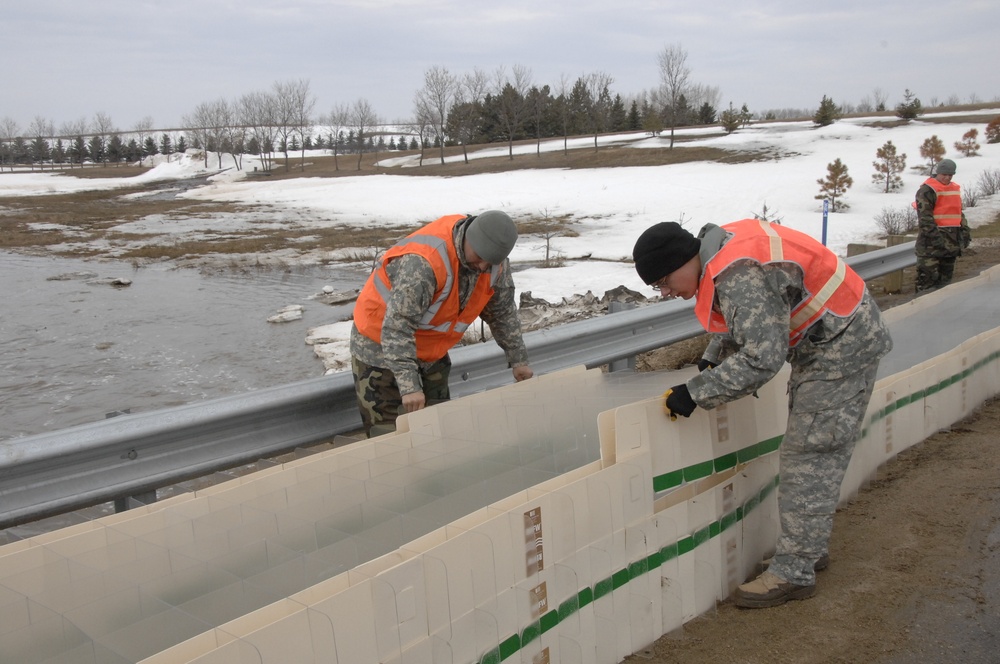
(609, 207)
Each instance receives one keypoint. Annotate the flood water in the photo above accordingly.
(74, 349)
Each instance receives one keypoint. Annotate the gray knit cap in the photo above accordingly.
(945, 167)
(492, 235)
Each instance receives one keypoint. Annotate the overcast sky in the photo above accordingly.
(70, 59)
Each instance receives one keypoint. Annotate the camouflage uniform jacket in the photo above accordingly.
(932, 240)
(756, 301)
(413, 285)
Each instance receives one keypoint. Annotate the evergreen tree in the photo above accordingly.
(835, 185)
(617, 118)
(827, 114)
(745, 116)
(730, 119)
(116, 149)
(59, 152)
(909, 108)
(634, 121)
(993, 130)
(149, 147)
(413, 143)
(932, 150)
(968, 145)
(706, 114)
(166, 145)
(132, 150)
(78, 150)
(95, 149)
(40, 150)
(181, 145)
(888, 167)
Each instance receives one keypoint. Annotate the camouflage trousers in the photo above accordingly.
(934, 272)
(378, 394)
(824, 421)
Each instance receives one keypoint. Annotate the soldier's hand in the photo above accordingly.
(677, 401)
(522, 372)
(413, 401)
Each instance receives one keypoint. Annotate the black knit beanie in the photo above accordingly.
(661, 249)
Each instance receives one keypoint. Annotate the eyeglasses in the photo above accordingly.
(659, 284)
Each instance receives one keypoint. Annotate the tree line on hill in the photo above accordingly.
(477, 107)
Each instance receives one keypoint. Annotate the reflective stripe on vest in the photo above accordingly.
(444, 323)
(948, 207)
(830, 285)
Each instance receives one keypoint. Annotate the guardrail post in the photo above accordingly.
(626, 363)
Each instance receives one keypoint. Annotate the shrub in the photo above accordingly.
(989, 182)
(897, 221)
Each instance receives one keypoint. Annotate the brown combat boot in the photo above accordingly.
(819, 566)
(768, 590)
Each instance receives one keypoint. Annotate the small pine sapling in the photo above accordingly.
(835, 185)
(933, 151)
(888, 167)
(993, 130)
(968, 145)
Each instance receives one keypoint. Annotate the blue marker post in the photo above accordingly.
(826, 212)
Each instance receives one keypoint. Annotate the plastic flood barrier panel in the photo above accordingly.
(562, 519)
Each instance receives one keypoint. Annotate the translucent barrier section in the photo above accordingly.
(560, 519)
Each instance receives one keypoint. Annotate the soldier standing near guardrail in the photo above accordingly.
(771, 294)
(416, 305)
(942, 229)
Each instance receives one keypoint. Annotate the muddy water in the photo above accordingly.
(74, 349)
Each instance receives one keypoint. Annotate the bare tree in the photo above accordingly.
(674, 74)
(512, 95)
(201, 124)
(468, 107)
(232, 134)
(363, 119)
(598, 102)
(423, 121)
(75, 130)
(284, 116)
(298, 103)
(564, 109)
(258, 114)
(337, 121)
(102, 127)
(881, 97)
(40, 129)
(435, 98)
(142, 129)
(9, 130)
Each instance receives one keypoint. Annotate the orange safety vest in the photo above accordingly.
(948, 208)
(829, 283)
(444, 323)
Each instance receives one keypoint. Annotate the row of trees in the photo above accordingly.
(473, 108)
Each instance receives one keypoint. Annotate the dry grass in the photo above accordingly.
(82, 219)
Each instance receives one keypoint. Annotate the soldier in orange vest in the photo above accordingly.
(771, 294)
(942, 230)
(416, 305)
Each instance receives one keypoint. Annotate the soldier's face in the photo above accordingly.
(474, 261)
(682, 282)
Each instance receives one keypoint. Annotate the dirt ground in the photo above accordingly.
(915, 571)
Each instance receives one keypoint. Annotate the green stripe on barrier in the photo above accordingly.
(652, 562)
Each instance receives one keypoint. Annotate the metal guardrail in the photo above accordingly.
(56, 472)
